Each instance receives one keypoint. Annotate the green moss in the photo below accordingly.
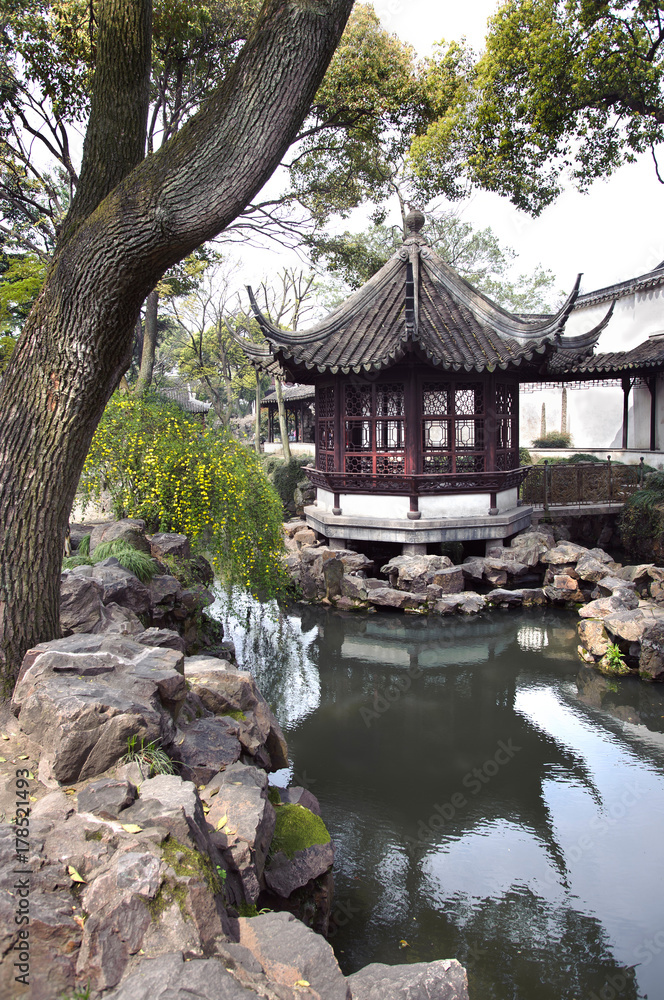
(236, 714)
(188, 862)
(273, 796)
(296, 829)
(247, 909)
(169, 893)
(93, 835)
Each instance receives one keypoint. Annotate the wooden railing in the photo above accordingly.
(580, 484)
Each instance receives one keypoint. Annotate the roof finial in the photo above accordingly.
(414, 222)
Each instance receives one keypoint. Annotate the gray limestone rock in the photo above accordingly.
(651, 660)
(414, 573)
(564, 553)
(283, 875)
(80, 603)
(505, 598)
(206, 746)
(122, 587)
(106, 798)
(83, 696)
(442, 980)
(289, 952)
(167, 543)
(117, 620)
(164, 637)
(169, 977)
(593, 636)
(386, 597)
(605, 606)
(467, 602)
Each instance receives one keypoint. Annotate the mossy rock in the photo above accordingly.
(296, 829)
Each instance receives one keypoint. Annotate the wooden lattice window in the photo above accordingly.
(507, 415)
(325, 421)
(453, 427)
(374, 440)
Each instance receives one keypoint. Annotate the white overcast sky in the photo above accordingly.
(612, 233)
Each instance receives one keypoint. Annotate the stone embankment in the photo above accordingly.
(138, 883)
(621, 607)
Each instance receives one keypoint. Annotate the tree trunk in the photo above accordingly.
(257, 442)
(283, 423)
(144, 380)
(76, 343)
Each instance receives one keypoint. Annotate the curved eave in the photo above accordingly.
(339, 317)
(586, 341)
(487, 312)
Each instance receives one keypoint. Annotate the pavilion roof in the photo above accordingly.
(417, 303)
(646, 357)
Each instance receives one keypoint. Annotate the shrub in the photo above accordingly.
(641, 523)
(554, 439)
(162, 465)
(287, 475)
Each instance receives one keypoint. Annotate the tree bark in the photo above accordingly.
(257, 441)
(149, 348)
(76, 343)
(283, 423)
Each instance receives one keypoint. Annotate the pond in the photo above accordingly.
(491, 799)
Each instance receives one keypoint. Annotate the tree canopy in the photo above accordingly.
(564, 88)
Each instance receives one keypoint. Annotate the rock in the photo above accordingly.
(223, 689)
(449, 580)
(651, 660)
(82, 697)
(354, 587)
(627, 625)
(119, 586)
(414, 573)
(169, 977)
(106, 798)
(504, 598)
(605, 606)
(240, 795)
(296, 795)
(600, 555)
(565, 590)
(80, 603)
(609, 585)
(291, 527)
(467, 602)
(289, 952)
(161, 637)
(530, 546)
(473, 567)
(533, 596)
(130, 530)
(116, 620)
(172, 803)
(593, 636)
(564, 553)
(206, 746)
(444, 979)
(333, 572)
(284, 875)
(590, 569)
(401, 599)
(165, 592)
(167, 543)
(305, 536)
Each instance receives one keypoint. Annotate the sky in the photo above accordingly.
(610, 234)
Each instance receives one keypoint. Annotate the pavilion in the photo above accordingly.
(416, 382)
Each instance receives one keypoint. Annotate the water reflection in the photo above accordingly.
(490, 799)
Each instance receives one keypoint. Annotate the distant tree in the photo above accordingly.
(565, 87)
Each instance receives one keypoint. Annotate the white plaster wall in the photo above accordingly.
(396, 508)
(635, 318)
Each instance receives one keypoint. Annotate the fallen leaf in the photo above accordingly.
(31, 775)
(70, 791)
(80, 921)
(215, 791)
(74, 875)
(302, 982)
(206, 808)
(4, 737)
(237, 782)
(222, 822)
(3, 760)
(131, 827)
(23, 756)
(403, 944)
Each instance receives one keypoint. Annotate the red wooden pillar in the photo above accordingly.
(490, 425)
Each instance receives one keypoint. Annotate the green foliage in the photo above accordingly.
(163, 465)
(614, 656)
(139, 563)
(21, 278)
(151, 757)
(475, 253)
(7, 345)
(564, 87)
(71, 562)
(525, 458)
(553, 439)
(286, 476)
(84, 546)
(296, 829)
(641, 522)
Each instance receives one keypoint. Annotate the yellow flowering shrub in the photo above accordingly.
(163, 465)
